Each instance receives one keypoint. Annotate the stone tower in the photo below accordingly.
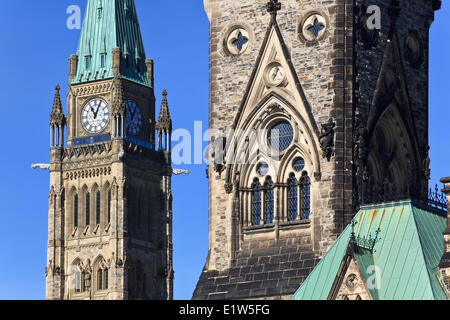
(110, 202)
(322, 106)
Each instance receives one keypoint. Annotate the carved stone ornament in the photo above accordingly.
(57, 117)
(426, 162)
(352, 281)
(228, 187)
(414, 49)
(275, 75)
(326, 139)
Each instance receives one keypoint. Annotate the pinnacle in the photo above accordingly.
(57, 116)
(164, 121)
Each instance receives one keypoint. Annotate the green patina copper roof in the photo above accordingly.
(110, 24)
(408, 251)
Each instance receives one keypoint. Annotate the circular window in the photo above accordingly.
(313, 27)
(237, 41)
(281, 136)
(299, 164)
(262, 169)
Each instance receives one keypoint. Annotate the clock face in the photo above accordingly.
(95, 116)
(134, 118)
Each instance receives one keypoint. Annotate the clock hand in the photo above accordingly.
(96, 113)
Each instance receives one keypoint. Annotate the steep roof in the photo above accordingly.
(407, 252)
(110, 24)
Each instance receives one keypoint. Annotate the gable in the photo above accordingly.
(274, 87)
(392, 92)
(273, 73)
(320, 282)
(405, 255)
(352, 283)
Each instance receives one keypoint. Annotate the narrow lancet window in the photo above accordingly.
(256, 203)
(292, 198)
(268, 201)
(305, 193)
(75, 211)
(98, 208)
(88, 209)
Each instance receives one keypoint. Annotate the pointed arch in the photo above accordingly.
(391, 96)
(101, 273)
(286, 166)
(76, 272)
(393, 158)
(273, 108)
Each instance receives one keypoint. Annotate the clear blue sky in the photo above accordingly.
(34, 55)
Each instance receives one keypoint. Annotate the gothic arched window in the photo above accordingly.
(305, 196)
(88, 209)
(77, 281)
(105, 279)
(100, 279)
(97, 208)
(83, 281)
(75, 211)
(292, 198)
(256, 203)
(109, 206)
(268, 201)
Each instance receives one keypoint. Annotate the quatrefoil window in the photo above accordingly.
(240, 41)
(313, 27)
(237, 41)
(316, 28)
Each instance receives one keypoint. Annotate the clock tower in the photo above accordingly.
(110, 212)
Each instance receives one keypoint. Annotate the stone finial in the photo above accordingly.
(164, 121)
(437, 5)
(273, 6)
(57, 117)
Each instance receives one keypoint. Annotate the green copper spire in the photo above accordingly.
(110, 24)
